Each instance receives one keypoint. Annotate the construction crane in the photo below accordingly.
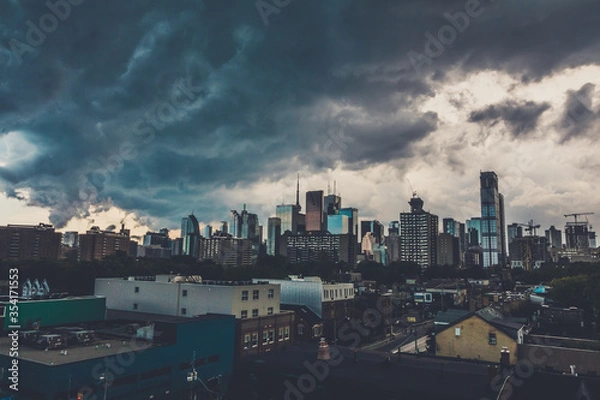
(530, 227)
(575, 215)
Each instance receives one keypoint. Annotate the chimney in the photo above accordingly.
(505, 357)
(323, 353)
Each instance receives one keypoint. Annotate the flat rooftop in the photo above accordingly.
(98, 349)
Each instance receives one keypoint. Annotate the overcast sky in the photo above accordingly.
(144, 111)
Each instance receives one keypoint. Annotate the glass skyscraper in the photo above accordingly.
(190, 232)
(289, 216)
(315, 211)
(493, 234)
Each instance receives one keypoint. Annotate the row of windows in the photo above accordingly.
(492, 340)
(255, 312)
(334, 292)
(256, 294)
(251, 339)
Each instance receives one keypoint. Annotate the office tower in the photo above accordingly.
(554, 237)
(332, 204)
(224, 227)
(474, 225)
(394, 228)
(315, 211)
(156, 238)
(514, 231)
(190, 232)
(418, 235)
(376, 229)
(226, 250)
(492, 221)
(352, 214)
(577, 235)
(289, 216)
(28, 242)
(96, 244)
(592, 242)
(338, 224)
(208, 231)
(457, 229)
(235, 224)
(250, 228)
(273, 236)
(448, 249)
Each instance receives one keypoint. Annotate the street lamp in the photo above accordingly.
(105, 378)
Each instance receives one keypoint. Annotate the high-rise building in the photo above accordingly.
(492, 220)
(321, 246)
(332, 204)
(528, 252)
(208, 231)
(289, 216)
(160, 238)
(418, 235)
(338, 224)
(190, 232)
(474, 228)
(394, 228)
(554, 237)
(514, 231)
(96, 244)
(376, 229)
(273, 236)
(226, 250)
(235, 224)
(352, 214)
(577, 235)
(448, 249)
(457, 229)
(315, 211)
(250, 228)
(27, 242)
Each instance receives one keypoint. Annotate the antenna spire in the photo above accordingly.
(298, 190)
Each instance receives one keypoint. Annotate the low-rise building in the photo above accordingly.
(256, 306)
(480, 336)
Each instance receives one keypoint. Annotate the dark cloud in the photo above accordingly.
(150, 105)
(521, 118)
(580, 116)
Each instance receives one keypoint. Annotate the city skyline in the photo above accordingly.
(333, 99)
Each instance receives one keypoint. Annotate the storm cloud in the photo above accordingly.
(150, 106)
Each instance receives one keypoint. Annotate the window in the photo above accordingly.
(244, 314)
(270, 311)
(492, 338)
(137, 289)
(255, 295)
(271, 293)
(300, 329)
(286, 333)
(280, 336)
(184, 293)
(326, 293)
(457, 331)
(135, 306)
(317, 331)
(255, 312)
(265, 337)
(183, 311)
(271, 335)
(244, 295)
(254, 339)
(246, 341)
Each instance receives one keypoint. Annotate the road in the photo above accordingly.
(404, 338)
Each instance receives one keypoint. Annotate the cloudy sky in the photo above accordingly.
(144, 111)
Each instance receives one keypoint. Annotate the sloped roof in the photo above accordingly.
(449, 316)
(304, 312)
(492, 317)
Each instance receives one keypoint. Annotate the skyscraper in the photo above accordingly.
(352, 214)
(273, 236)
(474, 231)
(554, 237)
(190, 232)
(492, 221)
(418, 235)
(376, 229)
(338, 224)
(289, 216)
(315, 211)
(394, 228)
